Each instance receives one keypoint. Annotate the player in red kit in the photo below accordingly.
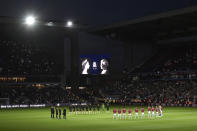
(129, 113)
(157, 111)
(124, 113)
(119, 113)
(153, 111)
(142, 112)
(114, 113)
(136, 113)
(149, 112)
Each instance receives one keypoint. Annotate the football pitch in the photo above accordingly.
(174, 119)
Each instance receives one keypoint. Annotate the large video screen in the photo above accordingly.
(95, 64)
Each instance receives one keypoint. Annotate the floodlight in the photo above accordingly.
(30, 20)
(69, 24)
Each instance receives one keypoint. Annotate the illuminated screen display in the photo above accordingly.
(94, 64)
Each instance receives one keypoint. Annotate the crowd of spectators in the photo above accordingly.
(182, 59)
(172, 82)
(167, 92)
(158, 92)
(24, 58)
(38, 95)
(34, 62)
(42, 94)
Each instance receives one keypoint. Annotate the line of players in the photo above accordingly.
(58, 112)
(85, 109)
(76, 109)
(151, 113)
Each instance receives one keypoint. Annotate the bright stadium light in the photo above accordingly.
(69, 24)
(30, 20)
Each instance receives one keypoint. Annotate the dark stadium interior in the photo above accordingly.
(98, 65)
(153, 59)
(143, 58)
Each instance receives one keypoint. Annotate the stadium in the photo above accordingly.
(135, 74)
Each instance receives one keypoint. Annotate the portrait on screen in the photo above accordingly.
(104, 66)
(85, 66)
(95, 64)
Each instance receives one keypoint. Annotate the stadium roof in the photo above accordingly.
(159, 27)
(41, 22)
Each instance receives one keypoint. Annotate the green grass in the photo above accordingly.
(174, 119)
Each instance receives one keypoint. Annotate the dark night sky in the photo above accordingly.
(92, 12)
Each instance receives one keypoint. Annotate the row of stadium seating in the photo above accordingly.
(18, 58)
(48, 95)
(169, 92)
(35, 95)
(145, 92)
(176, 58)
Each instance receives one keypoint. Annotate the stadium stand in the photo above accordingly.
(24, 59)
(171, 82)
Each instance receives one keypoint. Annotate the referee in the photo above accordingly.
(52, 112)
(64, 113)
(56, 112)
